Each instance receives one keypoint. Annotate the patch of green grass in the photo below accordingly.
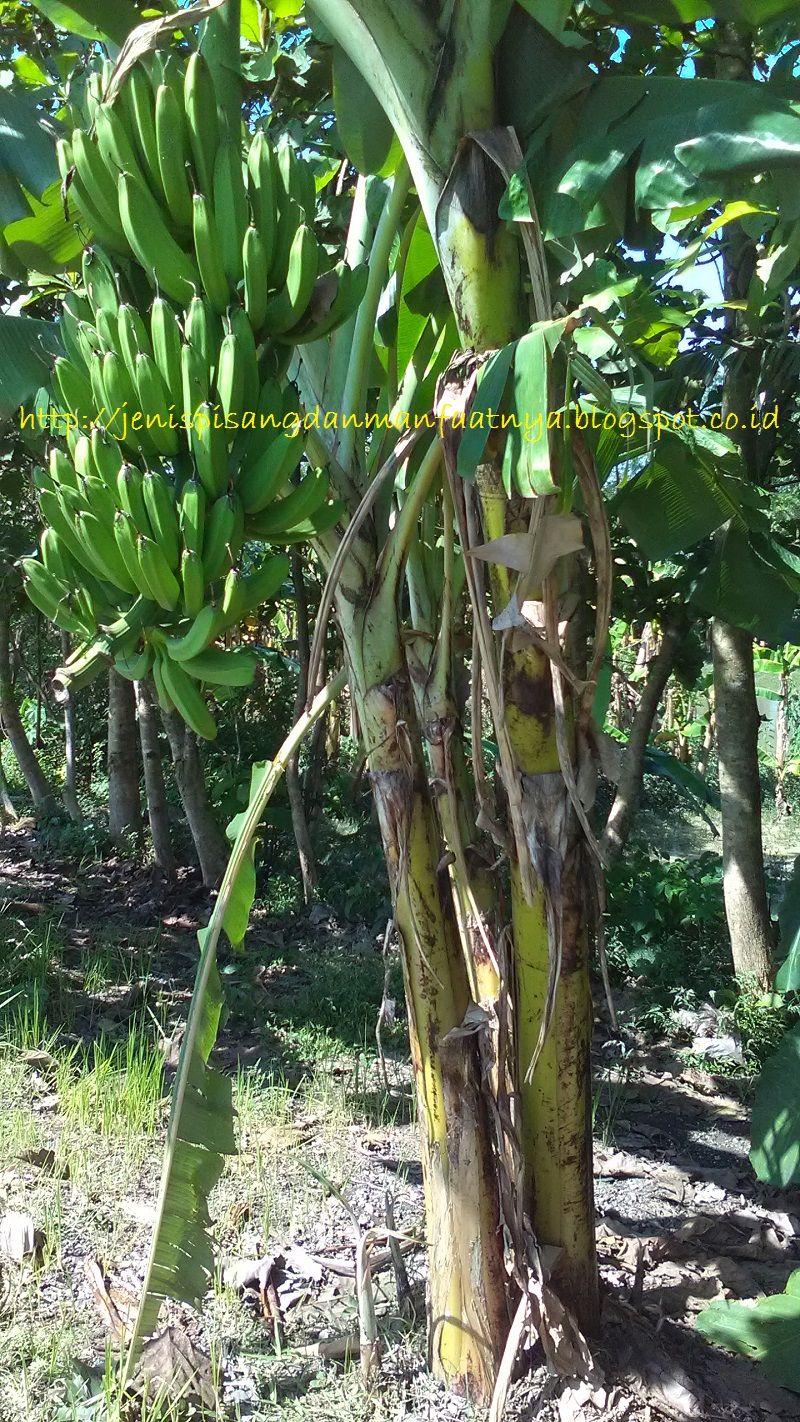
(113, 1089)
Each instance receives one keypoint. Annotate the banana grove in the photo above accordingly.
(490, 169)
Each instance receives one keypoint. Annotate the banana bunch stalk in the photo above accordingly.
(182, 440)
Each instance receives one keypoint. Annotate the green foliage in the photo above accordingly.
(787, 978)
(27, 347)
(768, 1331)
(666, 924)
(776, 1116)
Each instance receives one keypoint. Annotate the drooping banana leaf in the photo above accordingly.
(200, 1131)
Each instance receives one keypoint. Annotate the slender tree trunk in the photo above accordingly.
(209, 840)
(746, 903)
(45, 801)
(8, 813)
(745, 886)
(70, 769)
(154, 779)
(629, 786)
(302, 838)
(124, 804)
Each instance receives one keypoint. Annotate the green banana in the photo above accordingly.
(167, 266)
(89, 342)
(131, 335)
(106, 459)
(350, 289)
(242, 331)
(230, 377)
(157, 574)
(58, 518)
(99, 500)
(194, 382)
(136, 667)
(107, 331)
(230, 209)
(208, 251)
(260, 426)
(262, 585)
(56, 557)
(200, 107)
(99, 394)
(192, 515)
(97, 182)
(255, 266)
(224, 533)
(172, 156)
(82, 457)
(74, 389)
(47, 592)
(291, 219)
(123, 404)
(77, 305)
(207, 625)
(262, 186)
(154, 398)
(69, 328)
(112, 570)
(115, 147)
(130, 488)
(138, 91)
(232, 596)
(259, 485)
(297, 181)
(164, 699)
(290, 304)
(208, 442)
(193, 581)
(302, 503)
(187, 699)
(222, 666)
(62, 470)
(162, 513)
(99, 280)
(201, 331)
(166, 340)
(125, 536)
(319, 522)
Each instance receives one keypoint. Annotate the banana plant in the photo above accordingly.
(469, 568)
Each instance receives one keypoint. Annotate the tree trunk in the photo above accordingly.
(124, 804)
(302, 838)
(8, 812)
(629, 786)
(45, 801)
(154, 779)
(209, 840)
(70, 796)
(746, 904)
(467, 1298)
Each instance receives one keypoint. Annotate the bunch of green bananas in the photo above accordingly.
(182, 440)
(143, 568)
(158, 182)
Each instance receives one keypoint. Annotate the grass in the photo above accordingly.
(83, 1085)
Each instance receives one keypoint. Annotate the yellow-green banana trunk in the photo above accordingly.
(482, 265)
(468, 1305)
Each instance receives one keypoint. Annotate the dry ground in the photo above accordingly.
(99, 965)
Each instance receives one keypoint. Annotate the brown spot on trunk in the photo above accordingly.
(532, 693)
